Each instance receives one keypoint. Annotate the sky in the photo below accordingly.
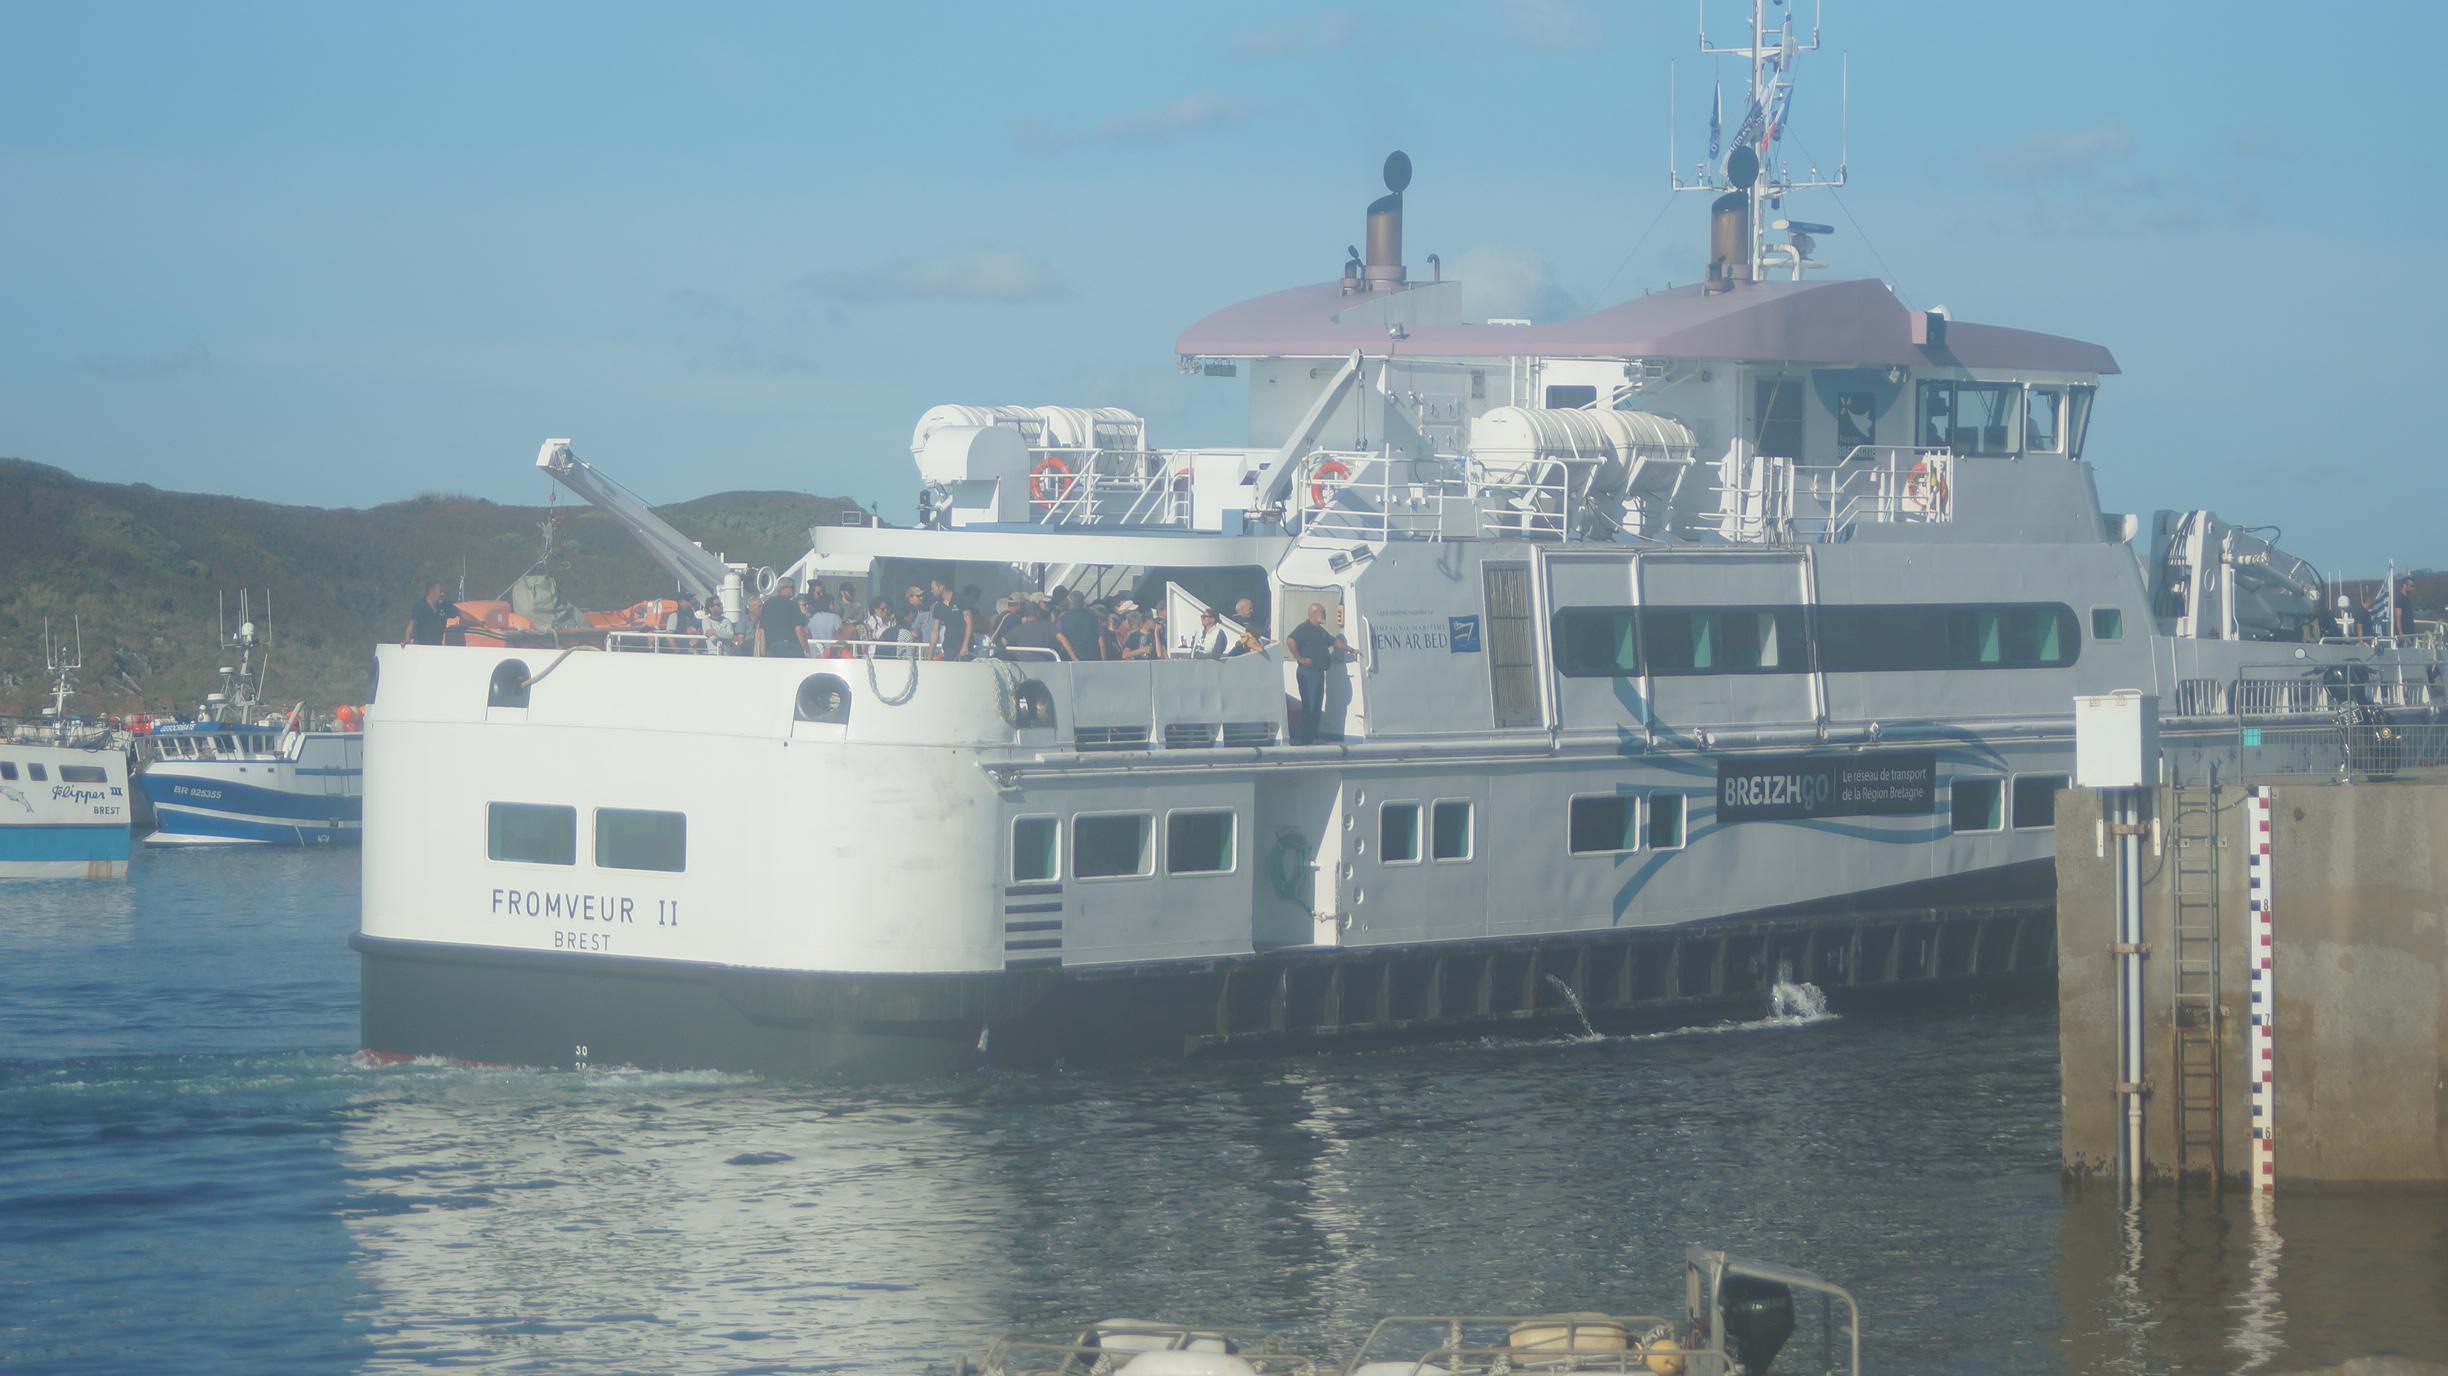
(342, 255)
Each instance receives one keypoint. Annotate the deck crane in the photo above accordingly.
(701, 574)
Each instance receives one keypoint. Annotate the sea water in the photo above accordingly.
(197, 1174)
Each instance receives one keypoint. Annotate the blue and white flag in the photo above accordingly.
(1716, 119)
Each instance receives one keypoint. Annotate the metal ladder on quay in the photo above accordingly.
(2193, 1008)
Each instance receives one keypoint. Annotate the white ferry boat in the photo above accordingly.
(237, 776)
(64, 804)
(1725, 635)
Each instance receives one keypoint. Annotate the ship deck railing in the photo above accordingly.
(1104, 487)
(1108, 1346)
(1493, 1343)
(1784, 501)
(694, 643)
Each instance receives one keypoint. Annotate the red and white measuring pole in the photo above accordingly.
(2262, 1046)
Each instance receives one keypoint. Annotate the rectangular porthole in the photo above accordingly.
(1398, 833)
(2107, 623)
(8, 770)
(1036, 849)
(1979, 805)
(1199, 843)
(1449, 829)
(2035, 800)
(82, 774)
(37, 774)
(629, 839)
(1111, 846)
(1603, 824)
(531, 833)
(1665, 821)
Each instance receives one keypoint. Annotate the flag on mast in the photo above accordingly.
(1716, 119)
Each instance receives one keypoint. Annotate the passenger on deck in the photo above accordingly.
(921, 613)
(1146, 640)
(1006, 617)
(824, 623)
(1246, 612)
(1080, 633)
(430, 618)
(2405, 606)
(1031, 633)
(1109, 631)
(1313, 651)
(879, 622)
(721, 636)
(1214, 642)
(960, 625)
(781, 629)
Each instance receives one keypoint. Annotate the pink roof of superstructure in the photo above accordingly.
(1857, 323)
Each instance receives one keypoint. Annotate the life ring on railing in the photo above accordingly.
(1926, 487)
(1334, 469)
(1049, 480)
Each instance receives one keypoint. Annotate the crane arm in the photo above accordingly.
(698, 571)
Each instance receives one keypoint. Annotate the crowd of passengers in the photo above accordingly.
(938, 623)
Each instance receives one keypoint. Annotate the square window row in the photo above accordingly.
(1980, 804)
(625, 838)
(1121, 845)
(1610, 823)
(1451, 831)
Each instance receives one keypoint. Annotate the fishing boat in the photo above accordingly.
(240, 775)
(1736, 1317)
(64, 802)
(1725, 637)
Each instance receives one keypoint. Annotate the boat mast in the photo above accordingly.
(1753, 160)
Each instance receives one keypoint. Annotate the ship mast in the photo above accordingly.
(1753, 163)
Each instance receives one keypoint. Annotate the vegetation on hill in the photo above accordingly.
(141, 570)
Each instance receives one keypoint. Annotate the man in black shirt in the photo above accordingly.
(430, 618)
(1313, 651)
(1081, 633)
(781, 631)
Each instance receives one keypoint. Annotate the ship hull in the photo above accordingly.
(63, 813)
(254, 802)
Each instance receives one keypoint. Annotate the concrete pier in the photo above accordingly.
(2358, 920)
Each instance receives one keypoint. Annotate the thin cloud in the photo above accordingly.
(1549, 23)
(2080, 155)
(1322, 32)
(1190, 115)
(970, 274)
(193, 357)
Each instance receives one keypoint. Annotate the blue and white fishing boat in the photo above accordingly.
(238, 777)
(63, 792)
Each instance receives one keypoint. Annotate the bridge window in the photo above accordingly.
(82, 774)
(1398, 833)
(1199, 843)
(2035, 800)
(509, 684)
(2078, 418)
(1111, 846)
(1036, 849)
(1982, 419)
(1603, 824)
(1776, 418)
(631, 839)
(2042, 432)
(531, 833)
(1978, 805)
(1449, 829)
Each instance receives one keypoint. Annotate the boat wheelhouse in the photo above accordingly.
(1724, 637)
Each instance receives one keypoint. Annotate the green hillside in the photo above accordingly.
(141, 568)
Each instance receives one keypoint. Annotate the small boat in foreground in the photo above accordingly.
(1737, 1318)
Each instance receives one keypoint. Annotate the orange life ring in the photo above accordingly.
(1332, 468)
(1049, 481)
(1926, 487)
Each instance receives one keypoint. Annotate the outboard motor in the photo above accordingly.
(1759, 1317)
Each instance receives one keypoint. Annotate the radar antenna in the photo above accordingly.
(1754, 165)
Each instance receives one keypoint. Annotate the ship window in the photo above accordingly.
(1937, 426)
(1571, 398)
(1036, 849)
(37, 773)
(1979, 805)
(8, 770)
(82, 774)
(630, 839)
(1919, 638)
(1113, 846)
(1776, 415)
(1449, 829)
(1986, 419)
(2035, 800)
(1725, 640)
(1603, 824)
(824, 698)
(508, 687)
(1665, 821)
(2107, 623)
(1597, 642)
(531, 833)
(1398, 833)
(2078, 418)
(2041, 432)
(1199, 843)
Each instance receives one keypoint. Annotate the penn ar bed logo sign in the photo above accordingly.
(1786, 788)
